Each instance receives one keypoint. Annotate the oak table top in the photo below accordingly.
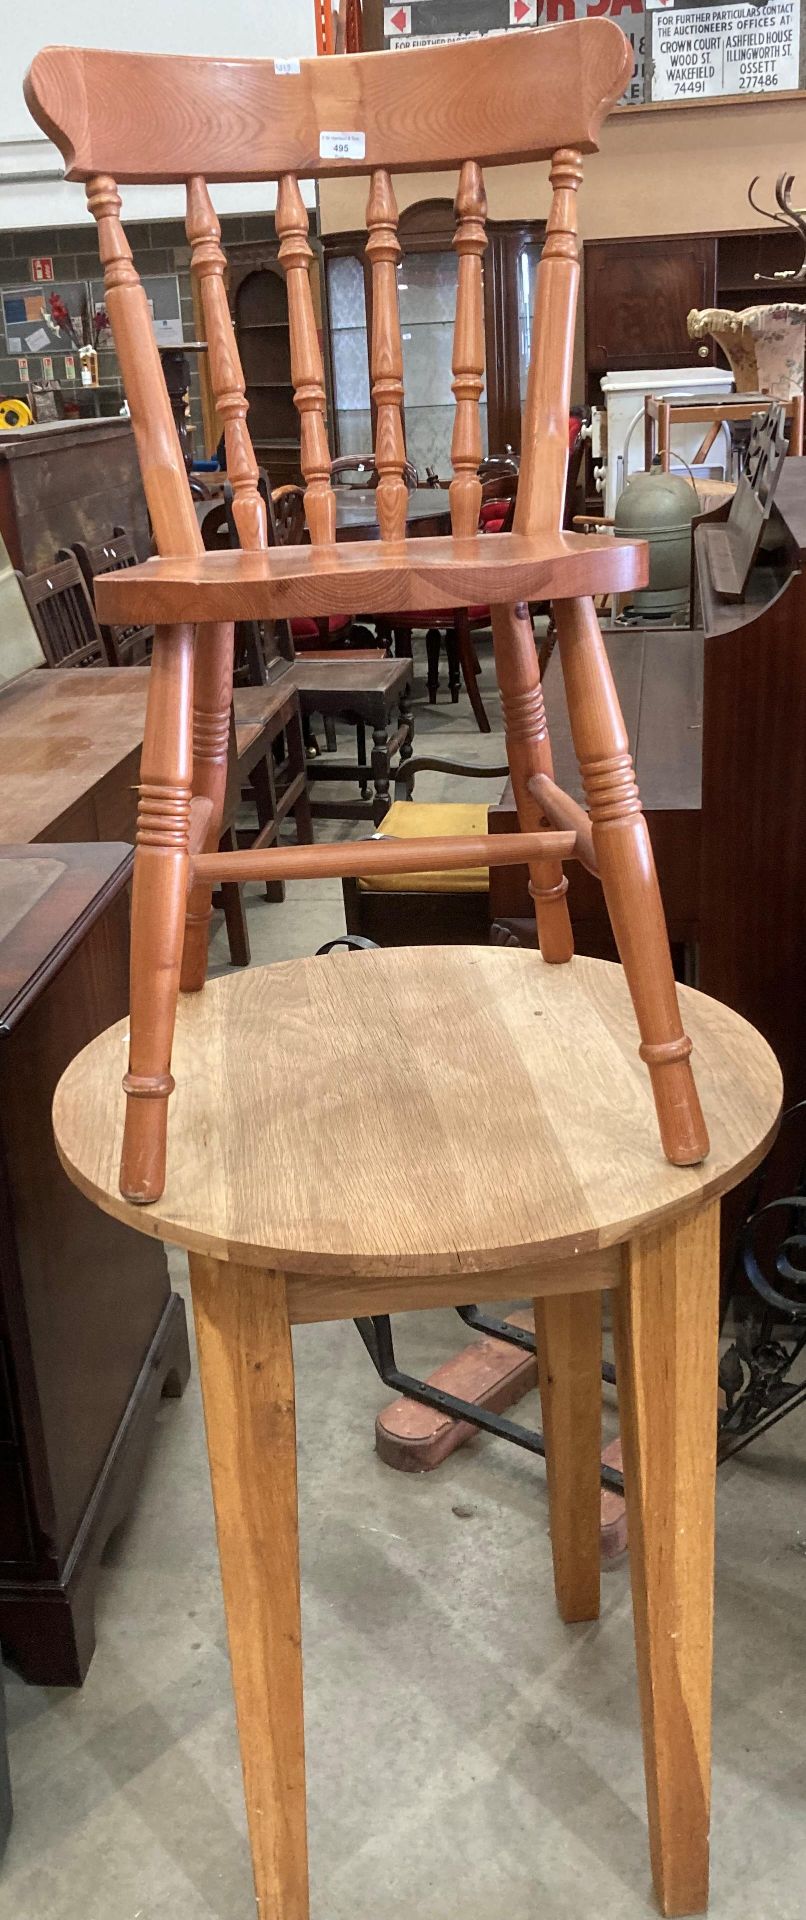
(407, 1112)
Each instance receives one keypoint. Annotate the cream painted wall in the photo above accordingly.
(32, 191)
(673, 170)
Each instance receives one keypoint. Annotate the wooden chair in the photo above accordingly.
(547, 100)
(285, 516)
(270, 747)
(263, 648)
(64, 616)
(125, 646)
(522, 1147)
(363, 466)
(463, 663)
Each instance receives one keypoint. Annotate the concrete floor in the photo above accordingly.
(469, 1757)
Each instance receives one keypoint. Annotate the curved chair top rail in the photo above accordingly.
(164, 117)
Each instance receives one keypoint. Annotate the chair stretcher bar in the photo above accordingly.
(361, 859)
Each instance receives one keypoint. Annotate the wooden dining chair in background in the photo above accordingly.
(128, 646)
(63, 615)
(536, 96)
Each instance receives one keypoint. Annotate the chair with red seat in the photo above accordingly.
(495, 516)
(286, 521)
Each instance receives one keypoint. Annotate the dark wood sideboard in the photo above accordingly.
(68, 480)
(91, 1334)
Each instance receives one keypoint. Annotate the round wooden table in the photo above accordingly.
(356, 517)
(410, 1128)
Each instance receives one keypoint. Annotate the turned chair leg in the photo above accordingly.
(232, 901)
(247, 1378)
(452, 657)
(568, 1335)
(159, 898)
(433, 643)
(298, 764)
(629, 880)
(528, 753)
(468, 662)
(212, 700)
(666, 1314)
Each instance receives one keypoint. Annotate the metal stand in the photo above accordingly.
(376, 1333)
(753, 1372)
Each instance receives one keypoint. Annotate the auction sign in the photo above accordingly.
(701, 52)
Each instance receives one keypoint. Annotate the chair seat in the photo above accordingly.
(385, 577)
(417, 1112)
(308, 630)
(416, 820)
(255, 707)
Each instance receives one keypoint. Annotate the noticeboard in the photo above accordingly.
(48, 318)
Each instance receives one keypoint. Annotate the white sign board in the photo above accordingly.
(699, 52)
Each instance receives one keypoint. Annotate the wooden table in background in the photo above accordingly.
(70, 754)
(356, 512)
(428, 512)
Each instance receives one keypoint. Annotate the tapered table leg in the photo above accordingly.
(568, 1333)
(247, 1378)
(666, 1325)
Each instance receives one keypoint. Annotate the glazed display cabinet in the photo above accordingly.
(427, 281)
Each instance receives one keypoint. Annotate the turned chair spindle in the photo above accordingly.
(208, 265)
(470, 242)
(161, 463)
(307, 374)
(383, 248)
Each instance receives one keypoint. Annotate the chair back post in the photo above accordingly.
(544, 458)
(470, 242)
(307, 373)
(161, 463)
(384, 251)
(208, 265)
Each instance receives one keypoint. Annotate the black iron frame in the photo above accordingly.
(376, 1333)
(753, 1372)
